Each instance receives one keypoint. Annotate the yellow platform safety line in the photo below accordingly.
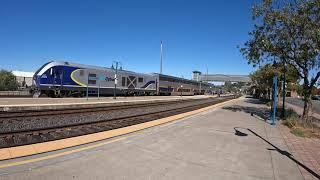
(59, 154)
(71, 142)
(74, 79)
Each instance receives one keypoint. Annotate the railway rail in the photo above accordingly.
(78, 122)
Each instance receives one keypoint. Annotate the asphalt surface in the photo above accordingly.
(299, 102)
(204, 146)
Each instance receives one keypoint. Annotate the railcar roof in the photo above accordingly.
(67, 63)
(182, 79)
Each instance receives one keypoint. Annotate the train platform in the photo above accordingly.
(25, 104)
(223, 142)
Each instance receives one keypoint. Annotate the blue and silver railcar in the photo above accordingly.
(59, 79)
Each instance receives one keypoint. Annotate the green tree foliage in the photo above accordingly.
(262, 80)
(233, 87)
(263, 77)
(288, 32)
(7, 81)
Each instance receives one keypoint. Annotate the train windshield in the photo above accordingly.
(35, 74)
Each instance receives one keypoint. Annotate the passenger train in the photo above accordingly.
(63, 79)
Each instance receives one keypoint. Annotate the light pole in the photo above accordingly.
(274, 93)
(181, 90)
(284, 91)
(115, 78)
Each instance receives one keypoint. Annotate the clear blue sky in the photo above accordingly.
(195, 34)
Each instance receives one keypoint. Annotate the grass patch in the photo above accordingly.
(293, 121)
(289, 113)
(298, 132)
(301, 130)
(298, 128)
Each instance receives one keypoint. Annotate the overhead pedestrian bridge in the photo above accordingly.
(198, 76)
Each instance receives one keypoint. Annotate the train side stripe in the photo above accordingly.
(148, 83)
(73, 79)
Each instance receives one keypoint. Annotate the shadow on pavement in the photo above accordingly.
(253, 101)
(262, 113)
(285, 153)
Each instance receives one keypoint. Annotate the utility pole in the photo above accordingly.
(87, 93)
(161, 57)
(207, 73)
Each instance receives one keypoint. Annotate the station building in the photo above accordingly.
(24, 79)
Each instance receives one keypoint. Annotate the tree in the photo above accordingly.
(7, 81)
(263, 78)
(288, 32)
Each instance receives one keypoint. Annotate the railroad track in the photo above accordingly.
(39, 113)
(55, 132)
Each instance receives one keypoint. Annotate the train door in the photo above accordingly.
(123, 81)
(58, 76)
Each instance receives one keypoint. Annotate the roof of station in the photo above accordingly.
(23, 74)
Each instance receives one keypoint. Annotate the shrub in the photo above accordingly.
(7, 81)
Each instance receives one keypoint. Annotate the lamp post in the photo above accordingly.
(116, 63)
(274, 91)
(181, 90)
(284, 91)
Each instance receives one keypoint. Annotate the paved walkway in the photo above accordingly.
(306, 151)
(204, 146)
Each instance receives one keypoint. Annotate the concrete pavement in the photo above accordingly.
(203, 146)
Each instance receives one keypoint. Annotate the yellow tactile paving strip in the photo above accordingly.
(27, 150)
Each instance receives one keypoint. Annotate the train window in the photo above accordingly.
(92, 81)
(57, 73)
(92, 75)
(81, 72)
(123, 81)
(140, 79)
